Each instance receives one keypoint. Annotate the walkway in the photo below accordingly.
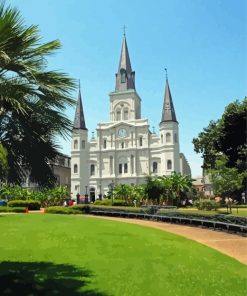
(230, 244)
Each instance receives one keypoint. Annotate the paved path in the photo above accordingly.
(230, 244)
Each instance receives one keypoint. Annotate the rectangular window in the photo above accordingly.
(125, 168)
(120, 169)
(104, 144)
(140, 141)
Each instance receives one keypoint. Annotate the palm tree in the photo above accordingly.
(180, 185)
(32, 100)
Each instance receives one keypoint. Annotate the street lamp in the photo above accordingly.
(86, 195)
(111, 186)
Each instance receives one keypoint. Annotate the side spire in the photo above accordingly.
(168, 112)
(125, 77)
(79, 121)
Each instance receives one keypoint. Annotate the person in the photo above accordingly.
(135, 203)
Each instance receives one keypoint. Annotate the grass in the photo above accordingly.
(44, 254)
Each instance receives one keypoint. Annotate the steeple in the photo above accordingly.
(125, 77)
(79, 121)
(168, 112)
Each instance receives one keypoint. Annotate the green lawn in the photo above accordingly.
(45, 254)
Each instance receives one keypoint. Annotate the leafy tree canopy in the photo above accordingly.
(226, 136)
(32, 100)
(223, 147)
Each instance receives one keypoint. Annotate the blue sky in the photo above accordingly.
(202, 43)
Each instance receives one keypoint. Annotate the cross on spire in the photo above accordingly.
(166, 73)
(124, 30)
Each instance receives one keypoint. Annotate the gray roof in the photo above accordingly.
(168, 112)
(125, 65)
(79, 121)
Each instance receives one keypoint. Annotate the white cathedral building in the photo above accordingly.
(124, 149)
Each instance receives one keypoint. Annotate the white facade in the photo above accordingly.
(124, 150)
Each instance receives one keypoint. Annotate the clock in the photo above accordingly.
(122, 133)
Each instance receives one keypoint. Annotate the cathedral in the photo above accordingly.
(124, 149)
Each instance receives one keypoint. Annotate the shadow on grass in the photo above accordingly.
(44, 278)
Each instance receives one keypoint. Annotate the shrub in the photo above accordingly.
(119, 202)
(62, 210)
(108, 202)
(207, 205)
(12, 210)
(30, 204)
(82, 208)
(104, 202)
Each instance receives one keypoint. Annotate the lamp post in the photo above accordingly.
(111, 186)
(86, 195)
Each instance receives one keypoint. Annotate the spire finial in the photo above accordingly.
(124, 30)
(166, 74)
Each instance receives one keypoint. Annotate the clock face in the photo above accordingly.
(122, 133)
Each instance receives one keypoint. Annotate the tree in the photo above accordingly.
(122, 191)
(226, 181)
(3, 163)
(153, 188)
(32, 100)
(177, 186)
(226, 136)
(223, 147)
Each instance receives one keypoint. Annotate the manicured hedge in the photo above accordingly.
(30, 204)
(12, 210)
(86, 209)
(62, 210)
(108, 202)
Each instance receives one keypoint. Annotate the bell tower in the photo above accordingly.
(169, 134)
(79, 152)
(125, 103)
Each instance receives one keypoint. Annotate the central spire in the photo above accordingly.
(125, 77)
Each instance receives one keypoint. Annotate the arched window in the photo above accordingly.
(155, 167)
(168, 137)
(126, 113)
(123, 75)
(118, 115)
(75, 169)
(122, 145)
(104, 144)
(140, 141)
(161, 139)
(169, 164)
(120, 168)
(175, 138)
(83, 144)
(92, 170)
(75, 144)
(125, 168)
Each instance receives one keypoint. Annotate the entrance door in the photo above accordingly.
(92, 194)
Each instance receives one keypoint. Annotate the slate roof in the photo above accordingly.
(79, 121)
(168, 112)
(124, 64)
